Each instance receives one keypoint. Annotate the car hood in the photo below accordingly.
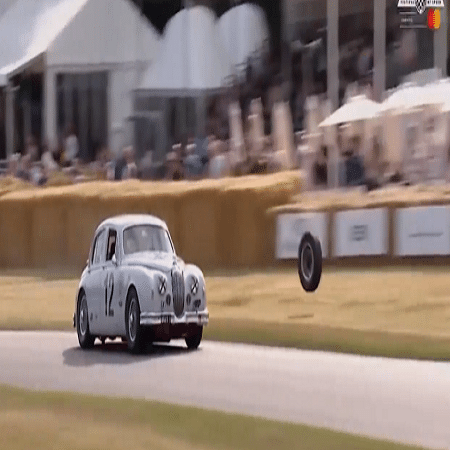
(153, 260)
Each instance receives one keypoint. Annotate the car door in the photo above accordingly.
(113, 306)
(94, 282)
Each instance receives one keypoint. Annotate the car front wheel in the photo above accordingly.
(133, 326)
(193, 340)
(85, 339)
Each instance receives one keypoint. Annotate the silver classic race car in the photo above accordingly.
(135, 287)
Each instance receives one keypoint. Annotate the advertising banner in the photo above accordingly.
(361, 232)
(422, 231)
(290, 228)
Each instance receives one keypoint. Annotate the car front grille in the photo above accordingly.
(178, 292)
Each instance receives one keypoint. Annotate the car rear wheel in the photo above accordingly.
(310, 262)
(135, 335)
(85, 339)
(193, 340)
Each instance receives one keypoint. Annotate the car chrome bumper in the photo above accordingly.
(191, 317)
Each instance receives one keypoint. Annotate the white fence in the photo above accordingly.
(415, 231)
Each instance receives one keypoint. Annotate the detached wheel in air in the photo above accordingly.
(310, 262)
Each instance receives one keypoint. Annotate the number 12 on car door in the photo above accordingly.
(109, 292)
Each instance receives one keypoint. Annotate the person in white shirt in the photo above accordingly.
(130, 170)
(13, 165)
(32, 149)
(48, 161)
(219, 165)
(71, 147)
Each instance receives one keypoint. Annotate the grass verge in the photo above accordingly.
(83, 423)
(339, 340)
(397, 312)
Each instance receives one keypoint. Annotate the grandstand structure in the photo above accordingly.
(342, 18)
(104, 73)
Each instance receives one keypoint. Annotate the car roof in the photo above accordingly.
(125, 220)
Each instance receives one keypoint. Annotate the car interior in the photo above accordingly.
(111, 244)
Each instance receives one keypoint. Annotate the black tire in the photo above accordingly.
(193, 341)
(85, 339)
(310, 262)
(135, 335)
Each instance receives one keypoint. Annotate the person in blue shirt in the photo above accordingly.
(193, 166)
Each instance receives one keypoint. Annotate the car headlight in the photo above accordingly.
(194, 286)
(162, 288)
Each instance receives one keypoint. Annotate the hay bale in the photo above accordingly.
(49, 232)
(11, 184)
(211, 221)
(57, 179)
(247, 237)
(396, 196)
(199, 214)
(161, 199)
(16, 230)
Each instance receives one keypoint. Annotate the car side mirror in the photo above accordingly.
(114, 260)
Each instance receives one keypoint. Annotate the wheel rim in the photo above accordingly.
(83, 317)
(132, 321)
(307, 261)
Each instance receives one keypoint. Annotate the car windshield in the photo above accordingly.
(146, 238)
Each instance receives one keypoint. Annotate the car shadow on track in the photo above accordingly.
(117, 353)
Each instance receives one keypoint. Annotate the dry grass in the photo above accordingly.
(402, 300)
(355, 311)
(46, 421)
(23, 429)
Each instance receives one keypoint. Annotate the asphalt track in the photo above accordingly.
(401, 400)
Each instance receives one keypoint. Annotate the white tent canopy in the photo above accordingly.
(356, 109)
(243, 30)
(72, 32)
(27, 29)
(410, 96)
(191, 56)
(105, 32)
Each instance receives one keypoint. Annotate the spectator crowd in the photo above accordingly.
(208, 158)
(270, 78)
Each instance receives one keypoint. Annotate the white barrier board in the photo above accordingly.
(290, 228)
(422, 231)
(361, 232)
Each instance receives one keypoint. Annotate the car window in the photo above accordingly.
(111, 247)
(145, 238)
(99, 249)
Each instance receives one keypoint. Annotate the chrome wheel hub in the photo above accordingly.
(307, 261)
(83, 317)
(132, 321)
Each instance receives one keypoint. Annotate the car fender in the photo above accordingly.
(145, 281)
(81, 285)
(190, 271)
